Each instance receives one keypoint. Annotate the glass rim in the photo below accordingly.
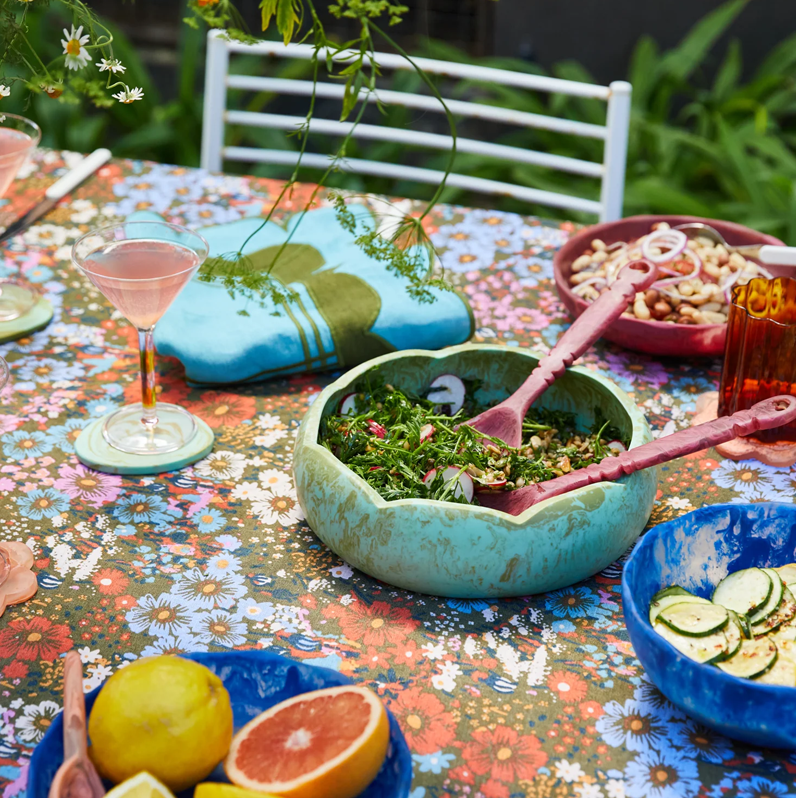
(78, 260)
(35, 139)
(735, 303)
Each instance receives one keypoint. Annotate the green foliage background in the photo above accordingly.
(724, 147)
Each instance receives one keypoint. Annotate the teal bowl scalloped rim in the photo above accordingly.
(467, 551)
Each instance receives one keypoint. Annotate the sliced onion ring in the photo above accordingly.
(675, 241)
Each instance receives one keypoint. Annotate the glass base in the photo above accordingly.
(125, 431)
(15, 300)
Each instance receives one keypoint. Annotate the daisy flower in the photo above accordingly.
(4, 90)
(74, 48)
(111, 65)
(129, 95)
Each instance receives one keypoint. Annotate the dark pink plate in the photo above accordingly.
(652, 337)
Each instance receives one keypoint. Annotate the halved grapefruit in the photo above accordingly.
(324, 744)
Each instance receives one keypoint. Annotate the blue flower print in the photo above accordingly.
(661, 774)
(466, 607)
(219, 628)
(205, 214)
(572, 602)
(699, 742)
(38, 274)
(138, 508)
(42, 503)
(688, 389)
(46, 369)
(101, 407)
(632, 725)
(648, 694)
(203, 591)
(34, 342)
(530, 269)
(172, 645)
(758, 787)
(21, 445)
(433, 763)
(65, 435)
(252, 610)
(209, 520)
(223, 564)
(161, 616)
(752, 479)
(229, 542)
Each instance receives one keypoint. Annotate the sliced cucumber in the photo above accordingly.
(707, 649)
(694, 619)
(673, 590)
(782, 673)
(786, 648)
(744, 591)
(658, 605)
(783, 613)
(786, 631)
(773, 602)
(787, 573)
(753, 658)
(735, 636)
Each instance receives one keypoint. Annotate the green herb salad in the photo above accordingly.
(407, 446)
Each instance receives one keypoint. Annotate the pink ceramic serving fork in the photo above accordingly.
(504, 421)
(77, 777)
(767, 414)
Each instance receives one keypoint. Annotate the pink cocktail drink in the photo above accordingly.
(141, 277)
(18, 139)
(141, 267)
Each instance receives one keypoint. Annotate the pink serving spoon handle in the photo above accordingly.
(504, 420)
(77, 777)
(767, 414)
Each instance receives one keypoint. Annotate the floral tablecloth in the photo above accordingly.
(539, 696)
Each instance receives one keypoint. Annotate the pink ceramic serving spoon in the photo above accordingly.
(504, 421)
(77, 777)
(767, 414)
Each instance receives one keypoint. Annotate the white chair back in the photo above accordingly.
(611, 171)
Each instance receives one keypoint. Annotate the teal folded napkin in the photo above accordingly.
(349, 307)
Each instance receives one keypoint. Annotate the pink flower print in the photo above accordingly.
(635, 368)
(6, 484)
(9, 423)
(95, 489)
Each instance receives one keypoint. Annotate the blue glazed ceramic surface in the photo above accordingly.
(466, 551)
(697, 551)
(256, 681)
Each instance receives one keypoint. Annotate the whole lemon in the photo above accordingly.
(166, 715)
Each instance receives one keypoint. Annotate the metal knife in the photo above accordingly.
(58, 190)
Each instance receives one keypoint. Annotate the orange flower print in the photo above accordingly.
(504, 754)
(570, 688)
(423, 720)
(220, 409)
(377, 624)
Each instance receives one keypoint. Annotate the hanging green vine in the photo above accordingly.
(87, 68)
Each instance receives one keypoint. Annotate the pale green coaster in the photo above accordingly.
(94, 451)
(37, 318)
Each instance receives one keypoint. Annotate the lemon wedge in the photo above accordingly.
(212, 789)
(144, 785)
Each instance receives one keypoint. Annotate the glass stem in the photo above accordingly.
(146, 345)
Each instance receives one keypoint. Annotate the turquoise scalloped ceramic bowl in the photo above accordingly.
(466, 551)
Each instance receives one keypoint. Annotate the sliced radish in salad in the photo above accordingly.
(348, 404)
(427, 432)
(496, 484)
(464, 486)
(616, 446)
(376, 428)
(448, 389)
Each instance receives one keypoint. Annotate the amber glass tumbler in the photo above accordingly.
(760, 352)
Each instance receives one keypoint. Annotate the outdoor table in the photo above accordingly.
(537, 696)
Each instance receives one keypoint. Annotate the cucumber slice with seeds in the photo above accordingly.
(786, 648)
(658, 605)
(783, 613)
(787, 573)
(786, 631)
(704, 650)
(781, 673)
(744, 591)
(754, 657)
(694, 619)
(774, 600)
(673, 590)
(734, 633)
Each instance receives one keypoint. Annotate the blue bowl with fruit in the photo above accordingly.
(259, 685)
(710, 609)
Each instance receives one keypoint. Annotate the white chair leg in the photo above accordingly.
(215, 101)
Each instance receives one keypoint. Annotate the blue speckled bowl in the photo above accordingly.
(256, 681)
(697, 551)
(464, 551)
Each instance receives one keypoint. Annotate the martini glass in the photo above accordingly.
(18, 139)
(141, 267)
